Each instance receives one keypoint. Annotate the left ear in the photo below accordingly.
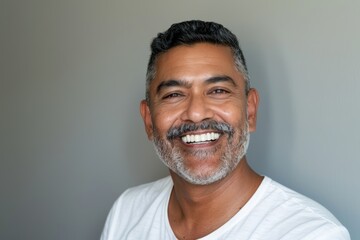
(252, 107)
(146, 116)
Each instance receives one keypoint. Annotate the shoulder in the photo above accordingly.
(294, 200)
(147, 190)
(137, 204)
(143, 195)
(302, 214)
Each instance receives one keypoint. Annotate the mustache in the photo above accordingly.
(222, 127)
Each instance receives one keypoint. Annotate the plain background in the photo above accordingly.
(72, 77)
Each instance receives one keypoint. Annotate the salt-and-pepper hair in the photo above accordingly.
(192, 32)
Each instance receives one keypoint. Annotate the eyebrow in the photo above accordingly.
(172, 83)
(221, 78)
(186, 84)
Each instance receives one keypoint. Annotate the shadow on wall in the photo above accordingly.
(142, 162)
(269, 75)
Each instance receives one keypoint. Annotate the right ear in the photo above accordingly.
(252, 108)
(146, 116)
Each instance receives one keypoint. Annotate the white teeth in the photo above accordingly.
(200, 137)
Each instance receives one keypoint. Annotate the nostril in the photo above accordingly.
(197, 110)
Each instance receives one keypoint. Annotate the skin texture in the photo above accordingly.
(194, 84)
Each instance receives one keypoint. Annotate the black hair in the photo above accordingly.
(189, 33)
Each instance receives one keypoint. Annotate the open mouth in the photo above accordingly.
(200, 138)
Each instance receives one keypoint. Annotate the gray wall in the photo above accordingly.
(72, 75)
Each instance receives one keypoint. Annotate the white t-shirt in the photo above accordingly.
(273, 212)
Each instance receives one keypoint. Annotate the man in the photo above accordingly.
(199, 110)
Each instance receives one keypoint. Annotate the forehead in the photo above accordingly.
(198, 61)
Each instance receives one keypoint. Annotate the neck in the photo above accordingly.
(196, 210)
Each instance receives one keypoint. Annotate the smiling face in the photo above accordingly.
(199, 115)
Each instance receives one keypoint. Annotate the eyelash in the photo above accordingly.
(214, 91)
(219, 91)
(172, 95)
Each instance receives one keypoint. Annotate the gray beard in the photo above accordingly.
(174, 159)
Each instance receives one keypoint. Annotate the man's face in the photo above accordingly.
(199, 115)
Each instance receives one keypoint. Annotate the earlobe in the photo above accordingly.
(252, 107)
(146, 116)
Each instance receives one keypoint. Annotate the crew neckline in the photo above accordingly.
(244, 211)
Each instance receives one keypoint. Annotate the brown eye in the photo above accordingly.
(219, 91)
(172, 95)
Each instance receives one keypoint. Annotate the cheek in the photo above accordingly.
(232, 114)
(164, 120)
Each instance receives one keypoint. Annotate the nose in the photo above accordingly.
(197, 110)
